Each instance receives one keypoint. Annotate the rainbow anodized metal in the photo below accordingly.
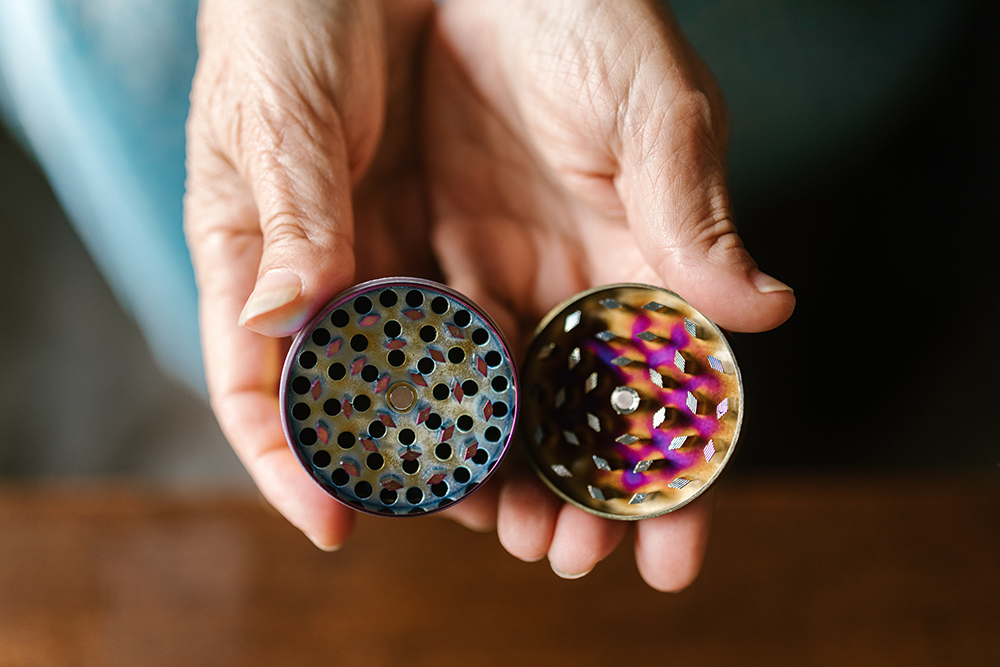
(635, 401)
(399, 398)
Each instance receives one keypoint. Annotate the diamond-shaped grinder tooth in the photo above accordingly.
(649, 405)
(561, 470)
(400, 397)
(642, 466)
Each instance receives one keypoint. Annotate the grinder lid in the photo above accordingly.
(399, 397)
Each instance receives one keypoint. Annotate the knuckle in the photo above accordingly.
(710, 226)
(692, 109)
(254, 115)
(693, 113)
(707, 231)
(285, 228)
(681, 130)
(689, 117)
(290, 229)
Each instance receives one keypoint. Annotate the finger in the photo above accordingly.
(242, 367)
(526, 520)
(581, 541)
(222, 223)
(669, 549)
(268, 212)
(297, 172)
(293, 98)
(673, 183)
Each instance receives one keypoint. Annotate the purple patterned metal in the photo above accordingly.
(636, 401)
(399, 397)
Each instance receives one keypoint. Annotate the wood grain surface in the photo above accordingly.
(821, 571)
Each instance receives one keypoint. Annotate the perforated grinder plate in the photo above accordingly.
(400, 397)
(635, 401)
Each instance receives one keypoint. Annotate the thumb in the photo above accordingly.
(279, 96)
(299, 177)
(674, 188)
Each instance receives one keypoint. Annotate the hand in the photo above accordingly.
(295, 178)
(572, 144)
(292, 176)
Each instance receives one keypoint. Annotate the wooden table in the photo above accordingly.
(822, 571)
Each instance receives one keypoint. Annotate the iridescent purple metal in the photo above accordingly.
(636, 401)
(399, 397)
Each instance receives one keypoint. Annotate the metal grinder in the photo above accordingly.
(634, 401)
(399, 397)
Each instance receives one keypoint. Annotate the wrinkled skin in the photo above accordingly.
(519, 151)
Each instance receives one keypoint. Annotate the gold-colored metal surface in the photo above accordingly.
(400, 397)
(635, 401)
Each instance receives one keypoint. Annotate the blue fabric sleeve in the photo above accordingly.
(99, 92)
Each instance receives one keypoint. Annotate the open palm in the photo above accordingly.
(571, 145)
(556, 145)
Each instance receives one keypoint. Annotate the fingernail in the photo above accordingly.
(274, 289)
(329, 548)
(565, 575)
(765, 284)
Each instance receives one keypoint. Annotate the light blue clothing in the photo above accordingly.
(98, 90)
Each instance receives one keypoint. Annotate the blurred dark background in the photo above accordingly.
(890, 362)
